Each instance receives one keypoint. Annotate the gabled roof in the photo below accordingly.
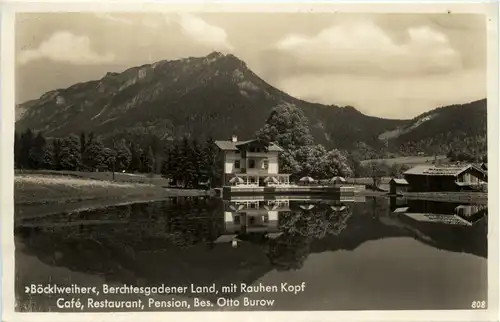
(226, 145)
(431, 170)
(233, 146)
(399, 181)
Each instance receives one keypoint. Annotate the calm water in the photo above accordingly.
(369, 254)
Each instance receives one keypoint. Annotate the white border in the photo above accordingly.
(7, 165)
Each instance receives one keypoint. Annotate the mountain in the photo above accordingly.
(218, 95)
(456, 127)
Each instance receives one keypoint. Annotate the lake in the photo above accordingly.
(258, 253)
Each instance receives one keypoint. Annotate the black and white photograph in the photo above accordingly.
(213, 161)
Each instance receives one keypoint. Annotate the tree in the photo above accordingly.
(135, 160)
(17, 150)
(317, 162)
(286, 126)
(375, 171)
(37, 158)
(336, 163)
(150, 161)
(83, 143)
(288, 163)
(70, 156)
(26, 142)
(48, 158)
(363, 151)
(56, 154)
(211, 163)
(451, 155)
(197, 155)
(94, 156)
(354, 162)
(109, 158)
(123, 156)
(172, 166)
(187, 156)
(156, 148)
(310, 160)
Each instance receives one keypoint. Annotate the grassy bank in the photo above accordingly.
(43, 193)
(409, 160)
(155, 179)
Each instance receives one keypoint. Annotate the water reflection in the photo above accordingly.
(204, 240)
(447, 225)
(438, 211)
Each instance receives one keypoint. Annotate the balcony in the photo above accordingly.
(255, 171)
(257, 155)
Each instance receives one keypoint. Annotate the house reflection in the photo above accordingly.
(253, 216)
(439, 212)
(269, 217)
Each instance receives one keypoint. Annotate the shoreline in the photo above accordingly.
(42, 194)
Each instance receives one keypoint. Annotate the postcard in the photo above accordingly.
(270, 161)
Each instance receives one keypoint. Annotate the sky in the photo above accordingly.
(386, 65)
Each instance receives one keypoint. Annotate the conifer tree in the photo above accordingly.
(37, 152)
(26, 142)
(17, 150)
(135, 161)
(94, 156)
(70, 153)
(123, 155)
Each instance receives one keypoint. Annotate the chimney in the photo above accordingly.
(234, 138)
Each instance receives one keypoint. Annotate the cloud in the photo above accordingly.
(202, 32)
(65, 47)
(131, 20)
(366, 48)
(192, 26)
(114, 18)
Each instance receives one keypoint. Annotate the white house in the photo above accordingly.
(251, 163)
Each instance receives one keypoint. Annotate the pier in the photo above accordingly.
(287, 190)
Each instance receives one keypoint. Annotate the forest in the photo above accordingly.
(185, 162)
(188, 162)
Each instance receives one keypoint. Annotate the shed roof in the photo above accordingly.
(431, 170)
(233, 146)
(399, 181)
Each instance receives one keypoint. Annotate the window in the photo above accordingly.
(237, 164)
(236, 220)
(251, 163)
(265, 164)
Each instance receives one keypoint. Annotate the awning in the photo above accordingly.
(271, 179)
(338, 179)
(236, 180)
